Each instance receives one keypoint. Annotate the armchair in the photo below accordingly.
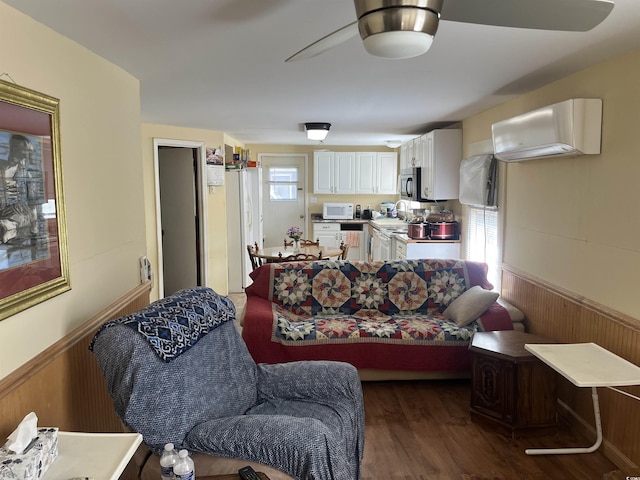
(187, 377)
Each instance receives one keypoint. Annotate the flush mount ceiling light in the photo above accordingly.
(317, 131)
(393, 143)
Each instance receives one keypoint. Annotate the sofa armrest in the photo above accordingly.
(309, 380)
(495, 318)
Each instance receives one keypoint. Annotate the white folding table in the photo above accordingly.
(586, 365)
(98, 456)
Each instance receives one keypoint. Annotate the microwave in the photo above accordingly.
(337, 211)
(410, 184)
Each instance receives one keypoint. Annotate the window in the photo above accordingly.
(482, 243)
(283, 184)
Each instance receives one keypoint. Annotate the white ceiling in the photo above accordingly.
(219, 65)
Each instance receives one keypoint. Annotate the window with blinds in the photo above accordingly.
(482, 242)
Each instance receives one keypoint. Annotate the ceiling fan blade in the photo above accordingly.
(325, 43)
(566, 15)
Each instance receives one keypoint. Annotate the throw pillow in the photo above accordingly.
(470, 305)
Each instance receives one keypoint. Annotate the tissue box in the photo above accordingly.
(32, 464)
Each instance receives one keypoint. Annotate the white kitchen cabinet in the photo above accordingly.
(438, 153)
(334, 172)
(441, 153)
(327, 233)
(366, 172)
(331, 234)
(414, 250)
(387, 173)
(408, 152)
(377, 173)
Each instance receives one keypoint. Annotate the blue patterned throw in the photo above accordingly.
(175, 323)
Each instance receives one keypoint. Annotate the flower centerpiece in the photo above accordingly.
(295, 233)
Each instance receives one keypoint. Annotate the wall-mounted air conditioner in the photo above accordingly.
(572, 127)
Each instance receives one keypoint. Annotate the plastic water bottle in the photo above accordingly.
(184, 468)
(167, 460)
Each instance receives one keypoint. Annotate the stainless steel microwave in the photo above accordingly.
(410, 184)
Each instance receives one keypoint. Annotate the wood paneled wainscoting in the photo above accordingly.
(64, 385)
(569, 318)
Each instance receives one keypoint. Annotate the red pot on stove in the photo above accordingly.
(418, 231)
(443, 230)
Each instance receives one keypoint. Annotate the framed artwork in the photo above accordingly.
(34, 258)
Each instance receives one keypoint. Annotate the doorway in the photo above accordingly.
(285, 183)
(180, 214)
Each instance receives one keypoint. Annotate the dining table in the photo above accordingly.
(277, 254)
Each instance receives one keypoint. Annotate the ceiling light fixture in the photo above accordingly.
(317, 130)
(393, 143)
(398, 31)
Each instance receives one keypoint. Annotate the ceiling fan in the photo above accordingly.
(405, 28)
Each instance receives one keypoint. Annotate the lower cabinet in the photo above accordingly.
(331, 234)
(413, 250)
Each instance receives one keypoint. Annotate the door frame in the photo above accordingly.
(261, 156)
(201, 189)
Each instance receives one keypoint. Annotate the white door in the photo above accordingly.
(284, 201)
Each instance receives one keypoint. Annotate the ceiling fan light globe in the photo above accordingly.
(398, 45)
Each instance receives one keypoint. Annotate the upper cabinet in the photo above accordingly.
(438, 153)
(359, 172)
(334, 172)
(441, 156)
(376, 173)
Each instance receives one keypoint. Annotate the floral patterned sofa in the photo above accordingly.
(390, 316)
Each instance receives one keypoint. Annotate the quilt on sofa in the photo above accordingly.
(371, 314)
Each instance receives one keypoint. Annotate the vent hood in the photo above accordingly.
(572, 127)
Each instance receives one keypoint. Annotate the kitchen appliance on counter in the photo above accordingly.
(337, 211)
(443, 230)
(418, 230)
(421, 229)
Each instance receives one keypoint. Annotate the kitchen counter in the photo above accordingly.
(317, 218)
(403, 237)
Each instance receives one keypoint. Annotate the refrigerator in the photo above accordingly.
(244, 223)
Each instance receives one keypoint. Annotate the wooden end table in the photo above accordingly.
(511, 388)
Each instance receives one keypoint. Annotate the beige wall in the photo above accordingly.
(216, 201)
(364, 200)
(574, 222)
(100, 144)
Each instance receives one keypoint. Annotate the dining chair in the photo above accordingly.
(303, 243)
(256, 261)
(297, 257)
(306, 243)
(345, 250)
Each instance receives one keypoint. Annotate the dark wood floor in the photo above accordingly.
(422, 430)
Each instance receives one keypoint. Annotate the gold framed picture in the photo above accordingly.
(34, 257)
